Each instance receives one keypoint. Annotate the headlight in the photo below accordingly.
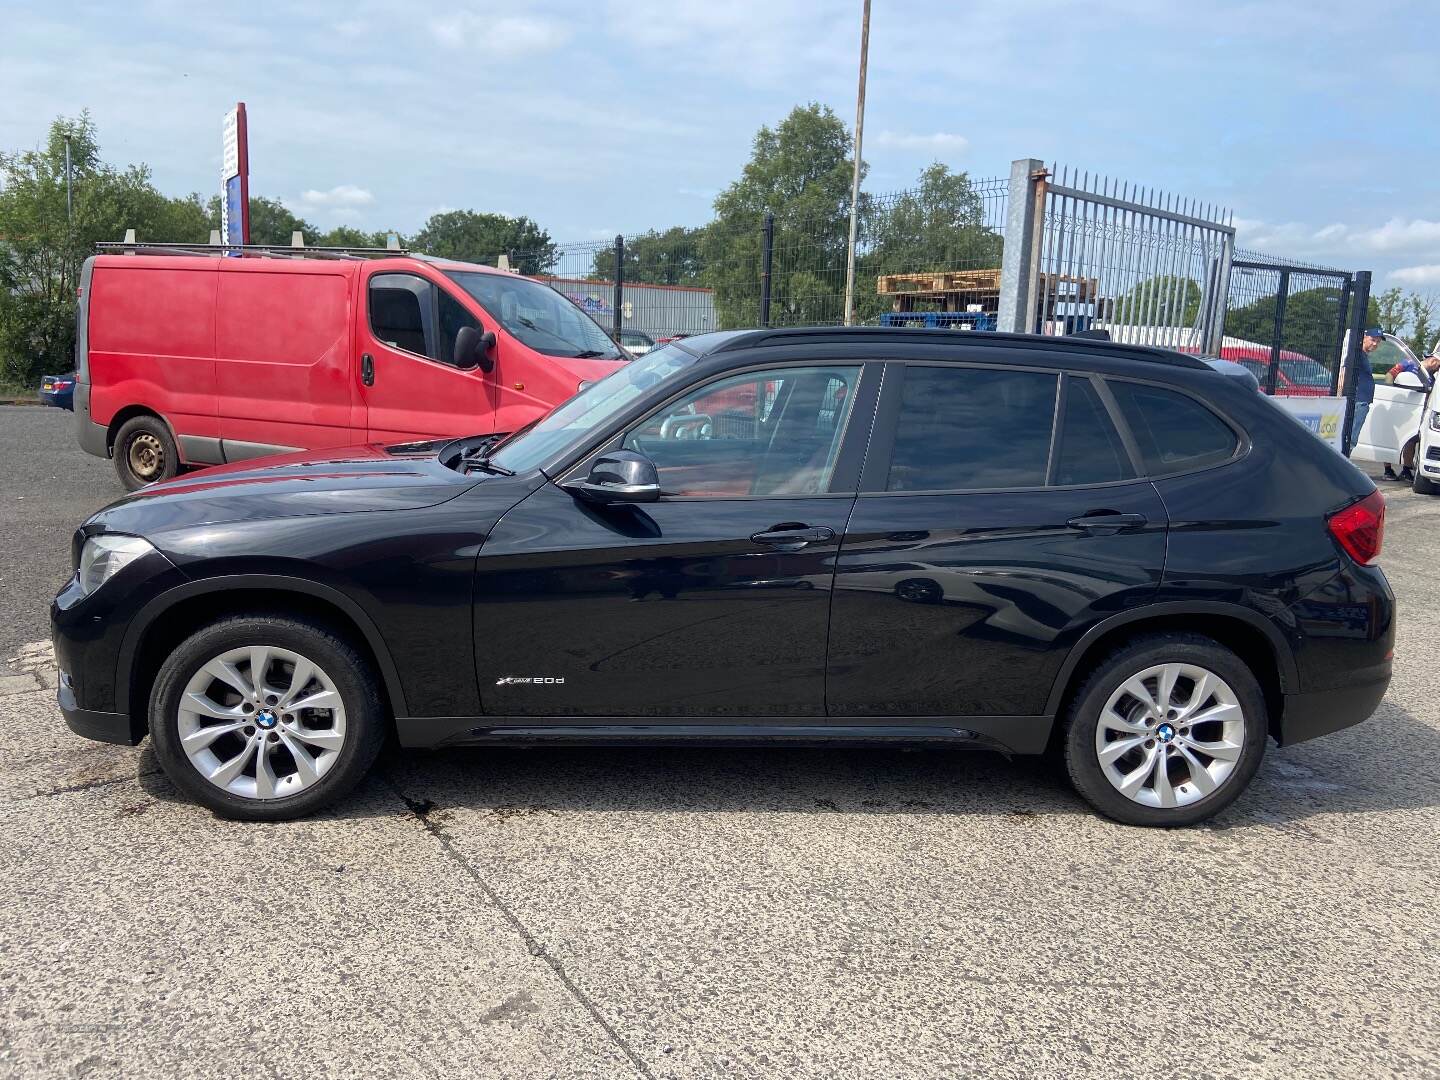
(1435, 421)
(103, 557)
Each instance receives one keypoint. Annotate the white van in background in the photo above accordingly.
(1396, 414)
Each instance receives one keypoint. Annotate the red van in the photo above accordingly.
(192, 359)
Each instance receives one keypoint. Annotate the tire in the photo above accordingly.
(339, 737)
(144, 452)
(1239, 740)
(1423, 485)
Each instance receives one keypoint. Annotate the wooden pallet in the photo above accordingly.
(942, 281)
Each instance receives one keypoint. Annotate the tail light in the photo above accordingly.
(1360, 528)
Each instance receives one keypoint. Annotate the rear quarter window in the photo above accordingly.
(1174, 432)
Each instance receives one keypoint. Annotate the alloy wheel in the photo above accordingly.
(261, 722)
(1170, 735)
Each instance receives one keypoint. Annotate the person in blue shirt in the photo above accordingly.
(1364, 383)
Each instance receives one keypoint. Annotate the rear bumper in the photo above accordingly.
(93, 438)
(1319, 712)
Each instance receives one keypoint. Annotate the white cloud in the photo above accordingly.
(941, 142)
(1428, 274)
(504, 35)
(342, 195)
(1396, 236)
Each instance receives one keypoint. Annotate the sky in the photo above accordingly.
(1316, 121)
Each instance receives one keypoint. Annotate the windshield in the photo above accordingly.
(589, 409)
(537, 315)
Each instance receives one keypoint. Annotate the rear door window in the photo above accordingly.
(1089, 450)
(1174, 432)
(971, 429)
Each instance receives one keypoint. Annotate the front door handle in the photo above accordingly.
(1107, 521)
(367, 369)
(794, 535)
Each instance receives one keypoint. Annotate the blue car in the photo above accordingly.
(58, 390)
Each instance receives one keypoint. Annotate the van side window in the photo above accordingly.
(1175, 432)
(401, 313)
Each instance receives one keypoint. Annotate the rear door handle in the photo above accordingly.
(367, 369)
(1107, 521)
(794, 535)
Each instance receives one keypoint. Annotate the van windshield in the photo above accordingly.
(589, 409)
(537, 315)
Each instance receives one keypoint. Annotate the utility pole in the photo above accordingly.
(855, 181)
(69, 204)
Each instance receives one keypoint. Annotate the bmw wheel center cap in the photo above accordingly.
(1165, 732)
(266, 719)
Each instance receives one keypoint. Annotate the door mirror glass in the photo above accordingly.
(620, 476)
(473, 349)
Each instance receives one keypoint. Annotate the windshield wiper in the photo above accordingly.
(479, 458)
(587, 354)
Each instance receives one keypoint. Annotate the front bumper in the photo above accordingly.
(101, 726)
(89, 632)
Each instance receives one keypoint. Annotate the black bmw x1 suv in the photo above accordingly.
(1120, 554)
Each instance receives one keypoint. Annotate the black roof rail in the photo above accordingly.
(1088, 342)
(271, 251)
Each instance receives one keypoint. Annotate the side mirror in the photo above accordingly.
(621, 476)
(473, 349)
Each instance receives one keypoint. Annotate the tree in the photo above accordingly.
(42, 248)
(939, 226)
(468, 236)
(800, 171)
(271, 222)
(346, 236)
(1163, 300)
(1392, 310)
(672, 257)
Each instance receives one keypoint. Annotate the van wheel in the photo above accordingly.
(263, 718)
(144, 452)
(1166, 730)
(1423, 485)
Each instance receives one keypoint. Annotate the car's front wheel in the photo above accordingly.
(1166, 730)
(265, 718)
(1422, 484)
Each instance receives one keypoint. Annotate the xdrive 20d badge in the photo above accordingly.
(1121, 555)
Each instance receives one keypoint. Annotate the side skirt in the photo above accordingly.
(1008, 734)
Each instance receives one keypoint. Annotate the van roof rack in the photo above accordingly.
(267, 251)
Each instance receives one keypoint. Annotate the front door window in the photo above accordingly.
(765, 433)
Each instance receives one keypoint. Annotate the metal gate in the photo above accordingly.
(1088, 252)
(1287, 324)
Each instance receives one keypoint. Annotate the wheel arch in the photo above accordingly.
(1252, 637)
(175, 614)
(128, 413)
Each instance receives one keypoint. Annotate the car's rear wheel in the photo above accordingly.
(265, 718)
(1167, 730)
(144, 452)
